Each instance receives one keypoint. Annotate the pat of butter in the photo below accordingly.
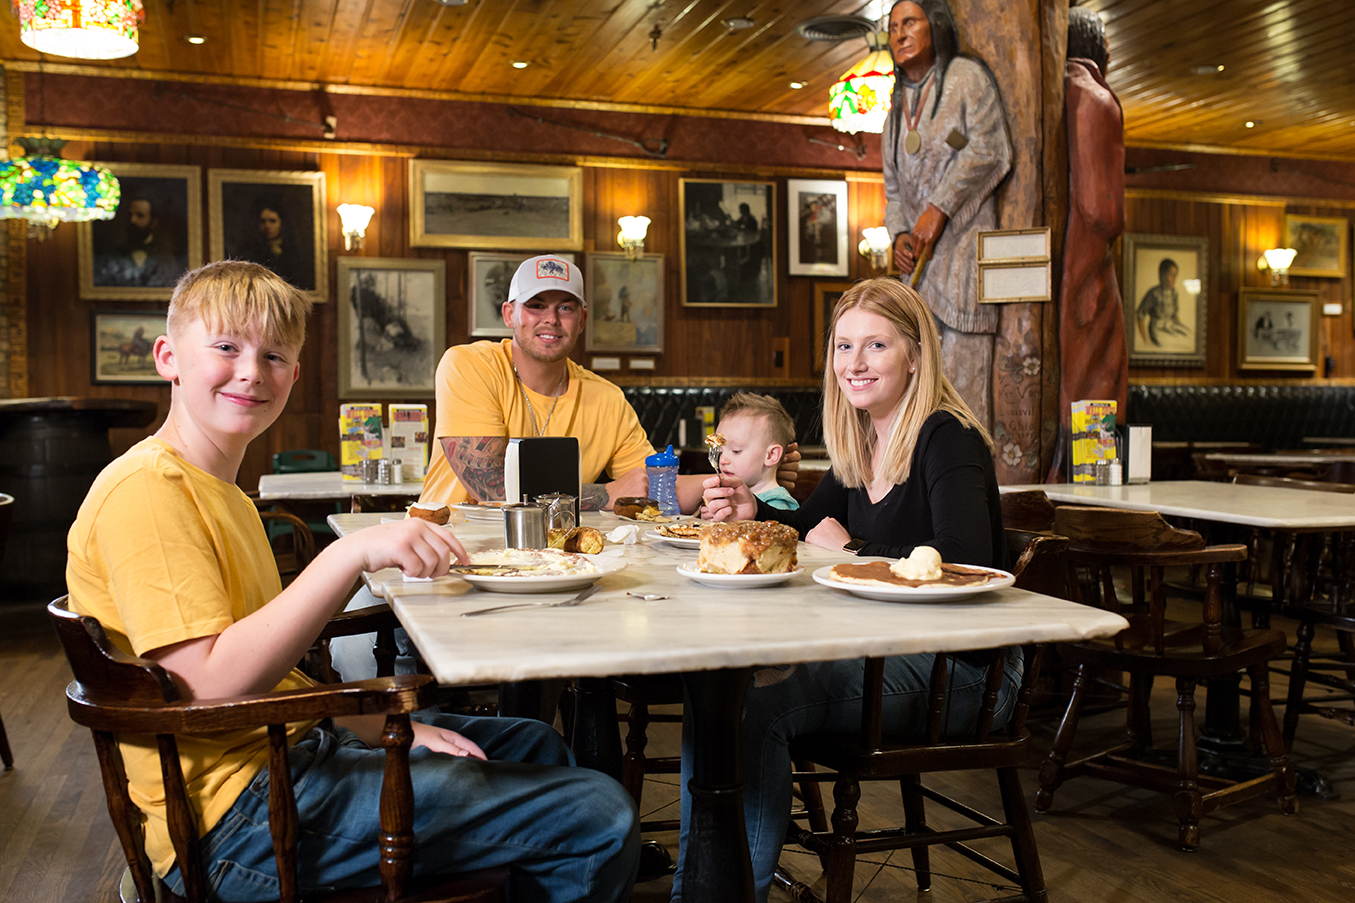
(923, 564)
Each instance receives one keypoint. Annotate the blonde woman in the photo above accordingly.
(911, 466)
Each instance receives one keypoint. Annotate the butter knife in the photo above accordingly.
(565, 604)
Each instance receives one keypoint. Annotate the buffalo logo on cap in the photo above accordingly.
(552, 269)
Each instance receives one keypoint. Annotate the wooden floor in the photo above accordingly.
(1102, 842)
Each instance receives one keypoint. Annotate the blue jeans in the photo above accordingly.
(826, 696)
(569, 833)
(352, 655)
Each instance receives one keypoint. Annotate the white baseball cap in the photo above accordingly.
(543, 274)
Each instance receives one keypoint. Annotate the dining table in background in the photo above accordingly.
(329, 485)
(713, 637)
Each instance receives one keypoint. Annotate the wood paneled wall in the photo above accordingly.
(731, 343)
(1239, 228)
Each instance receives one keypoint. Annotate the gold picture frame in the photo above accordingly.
(455, 204)
(162, 205)
(728, 243)
(250, 209)
(1322, 243)
(409, 296)
(1277, 329)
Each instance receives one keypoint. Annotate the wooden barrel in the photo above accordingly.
(51, 449)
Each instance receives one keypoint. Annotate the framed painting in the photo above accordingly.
(392, 326)
(625, 304)
(1166, 299)
(728, 241)
(1277, 329)
(273, 218)
(816, 213)
(1322, 243)
(154, 237)
(120, 343)
(491, 273)
(456, 204)
(826, 295)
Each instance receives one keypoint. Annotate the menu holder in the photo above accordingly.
(541, 466)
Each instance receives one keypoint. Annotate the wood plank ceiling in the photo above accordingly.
(1286, 64)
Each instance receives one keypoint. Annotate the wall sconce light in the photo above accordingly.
(875, 245)
(355, 218)
(1277, 260)
(632, 235)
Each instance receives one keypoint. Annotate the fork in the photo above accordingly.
(565, 604)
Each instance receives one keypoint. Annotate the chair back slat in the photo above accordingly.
(872, 698)
(183, 823)
(282, 812)
(936, 701)
(992, 686)
(1092, 529)
(123, 812)
(1033, 658)
(396, 843)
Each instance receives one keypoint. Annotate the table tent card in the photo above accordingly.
(407, 440)
(1093, 438)
(360, 431)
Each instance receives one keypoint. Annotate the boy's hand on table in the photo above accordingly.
(728, 498)
(415, 546)
(441, 740)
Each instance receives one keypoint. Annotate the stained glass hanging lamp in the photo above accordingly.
(860, 100)
(84, 29)
(45, 189)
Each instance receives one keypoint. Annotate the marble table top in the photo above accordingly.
(1273, 507)
(327, 484)
(696, 628)
(1300, 458)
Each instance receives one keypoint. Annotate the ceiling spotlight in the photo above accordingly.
(195, 39)
(797, 85)
(519, 64)
(1250, 123)
(453, 2)
(737, 23)
(1206, 70)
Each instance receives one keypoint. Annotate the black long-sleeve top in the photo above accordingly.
(950, 502)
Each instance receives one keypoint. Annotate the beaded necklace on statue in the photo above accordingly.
(912, 139)
(530, 411)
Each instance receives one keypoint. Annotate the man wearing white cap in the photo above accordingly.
(527, 386)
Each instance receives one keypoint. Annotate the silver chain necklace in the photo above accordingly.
(531, 412)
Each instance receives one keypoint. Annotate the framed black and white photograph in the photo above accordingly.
(625, 304)
(1277, 329)
(491, 273)
(273, 218)
(1166, 292)
(817, 227)
(120, 344)
(392, 326)
(515, 206)
(154, 237)
(728, 243)
(1322, 244)
(826, 295)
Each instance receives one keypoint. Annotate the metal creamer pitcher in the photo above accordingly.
(559, 510)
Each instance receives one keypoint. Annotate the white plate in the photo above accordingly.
(493, 511)
(914, 593)
(675, 519)
(678, 541)
(551, 583)
(736, 581)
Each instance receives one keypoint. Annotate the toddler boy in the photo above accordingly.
(172, 558)
(757, 430)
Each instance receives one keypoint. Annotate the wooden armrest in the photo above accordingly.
(362, 620)
(380, 696)
(1165, 558)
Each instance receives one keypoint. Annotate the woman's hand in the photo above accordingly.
(728, 498)
(415, 546)
(828, 534)
(444, 741)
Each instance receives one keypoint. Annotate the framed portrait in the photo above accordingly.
(625, 304)
(816, 210)
(392, 326)
(826, 295)
(273, 218)
(154, 237)
(1277, 329)
(1322, 243)
(491, 273)
(120, 343)
(1166, 299)
(728, 243)
(456, 204)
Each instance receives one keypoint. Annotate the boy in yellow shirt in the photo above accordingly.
(171, 557)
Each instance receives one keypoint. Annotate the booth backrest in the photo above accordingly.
(1271, 417)
(661, 407)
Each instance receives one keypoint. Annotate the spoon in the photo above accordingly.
(648, 597)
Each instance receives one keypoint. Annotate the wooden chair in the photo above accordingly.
(1029, 510)
(6, 756)
(872, 756)
(293, 548)
(1189, 651)
(115, 693)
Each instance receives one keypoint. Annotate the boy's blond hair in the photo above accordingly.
(780, 428)
(234, 294)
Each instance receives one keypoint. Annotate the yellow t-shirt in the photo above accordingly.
(163, 552)
(479, 396)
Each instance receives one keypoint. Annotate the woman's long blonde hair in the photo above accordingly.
(848, 431)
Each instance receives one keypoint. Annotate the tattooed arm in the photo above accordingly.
(477, 462)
